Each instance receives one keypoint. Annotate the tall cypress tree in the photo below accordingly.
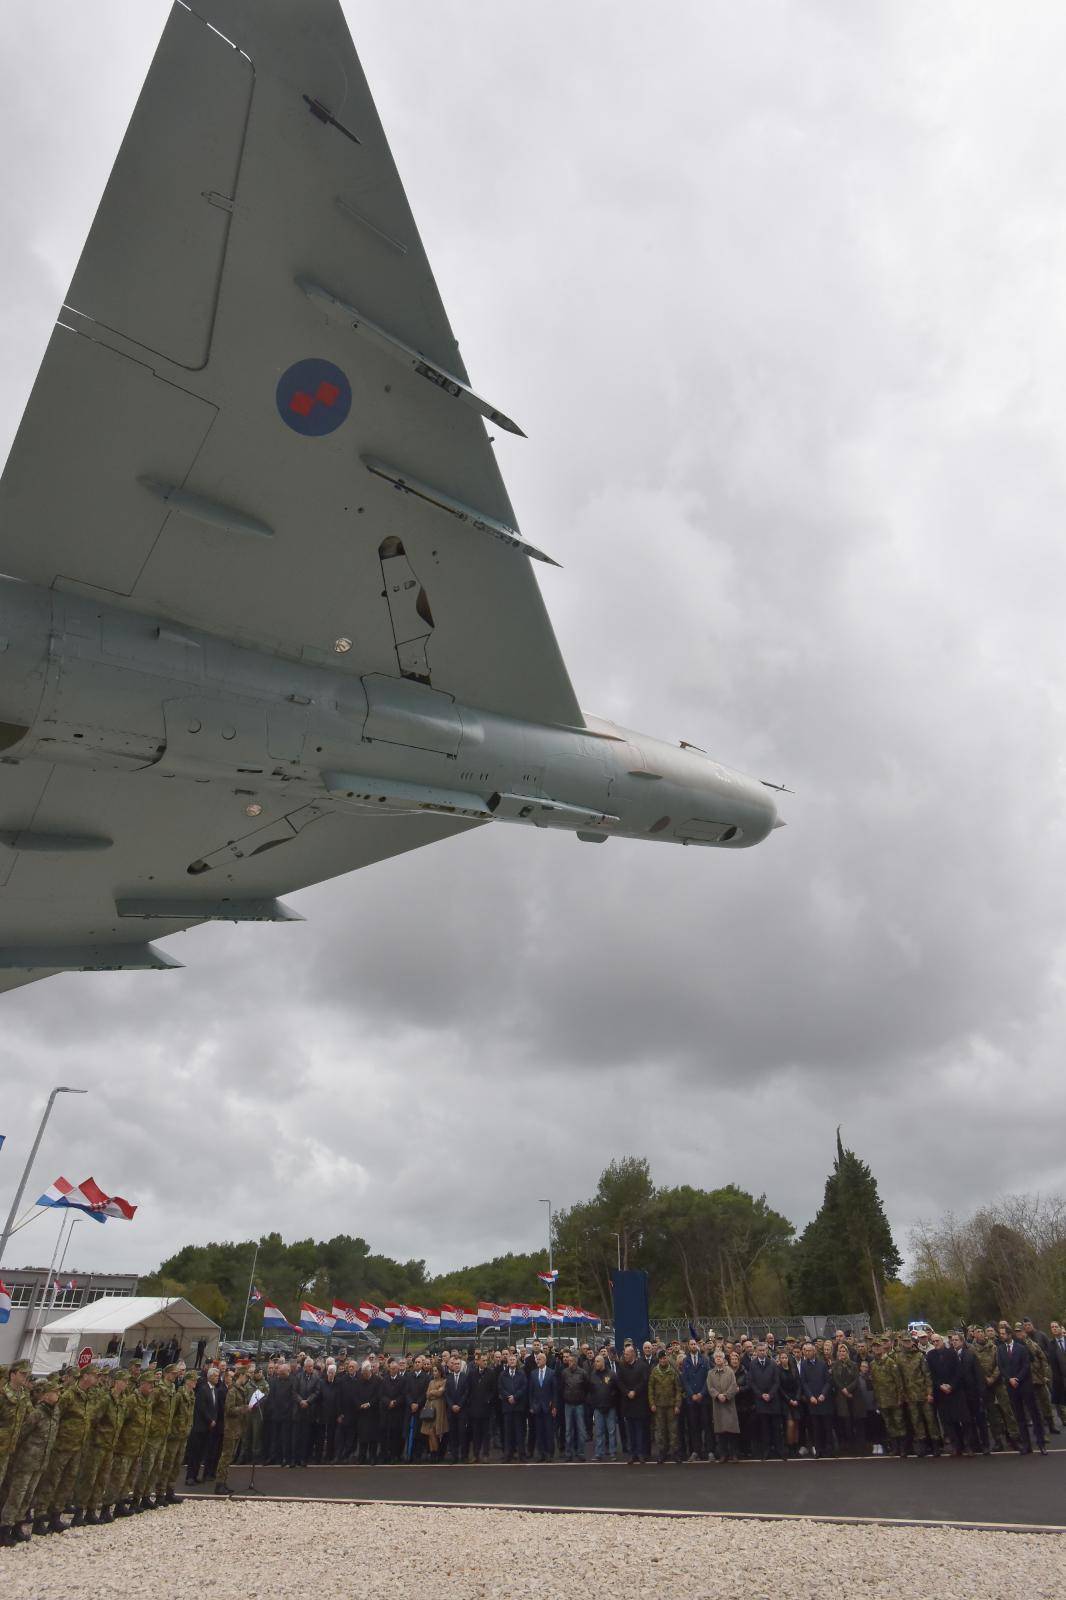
(845, 1254)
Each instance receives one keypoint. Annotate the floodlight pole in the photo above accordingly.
(10, 1223)
(248, 1296)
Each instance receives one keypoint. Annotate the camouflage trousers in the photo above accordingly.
(145, 1475)
(93, 1475)
(923, 1421)
(892, 1417)
(1043, 1400)
(664, 1436)
(170, 1459)
(59, 1479)
(21, 1490)
(1002, 1422)
(119, 1480)
(230, 1440)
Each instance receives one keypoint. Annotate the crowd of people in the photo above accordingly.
(980, 1390)
(110, 1441)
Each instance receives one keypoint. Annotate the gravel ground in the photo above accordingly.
(270, 1550)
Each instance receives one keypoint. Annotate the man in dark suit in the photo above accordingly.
(764, 1381)
(695, 1407)
(456, 1404)
(512, 1391)
(542, 1407)
(415, 1384)
(279, 1417)
(816, 1393)
(1013, 1358)
(209, 1407)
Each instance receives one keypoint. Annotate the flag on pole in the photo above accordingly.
(490, 1315)
(519, 1315)
(453, 1319)
(346, 1319)
(273, 1318)
(550, 1276)
(254, 1297)
(70, 1285)
(314, 1320)
(5, 1302)
(377, 1316)
(430, 1319)
(58, 1194)
(94, 1197)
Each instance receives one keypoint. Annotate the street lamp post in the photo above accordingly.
(551, 1286)
(10, 1223)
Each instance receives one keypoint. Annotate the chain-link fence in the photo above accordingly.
(821, 1326)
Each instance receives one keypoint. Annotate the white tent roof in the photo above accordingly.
(127, 1314)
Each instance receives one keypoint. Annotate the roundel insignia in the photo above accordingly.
(313, 397)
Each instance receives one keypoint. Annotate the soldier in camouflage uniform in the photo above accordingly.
(918, 1398)
(29, 1460)
(1040, 1367)
(233, 1420)
(15, 1402)
(888, 1392)
(665, 1396)
(998, 1409)
(75, 1407)
(129, 1446)
(162, 1397)
(172, 1385)
(173, 1453)
(95, 1469)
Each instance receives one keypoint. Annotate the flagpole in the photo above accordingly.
(551, 1285)
(248, 1296)
(35, 1330)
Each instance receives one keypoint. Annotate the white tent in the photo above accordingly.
(129, 1318)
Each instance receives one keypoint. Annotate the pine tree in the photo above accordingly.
(847, 1252)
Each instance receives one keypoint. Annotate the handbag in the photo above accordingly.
(428, 1413)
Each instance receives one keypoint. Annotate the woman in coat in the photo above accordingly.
(723, 1389)
(434, 1432)
(366, 1402)
(745, 1403)
(849, 1409)
(791, 1405)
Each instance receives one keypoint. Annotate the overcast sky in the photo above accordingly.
(776, 292)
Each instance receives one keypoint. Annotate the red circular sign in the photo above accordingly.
(85, 1357)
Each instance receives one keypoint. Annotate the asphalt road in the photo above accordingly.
(999, 1490)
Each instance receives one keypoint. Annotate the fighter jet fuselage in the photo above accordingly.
(108, 689)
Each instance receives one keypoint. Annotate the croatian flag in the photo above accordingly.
(5, 1302)
(111, 1205)
(375, 1316)
(70, 1285)
(59, 1195)
(519, 1315)
(273, 1318)
(491, 1315)
(255, 1297)
(548, 1277)
(453, 1319)
(314, 1320)
(586, 1316)
(346, 1319)
(430, 1318)
(408, 1316)
(540, 1314)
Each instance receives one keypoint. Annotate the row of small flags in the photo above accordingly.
(87, 1197)
(446, 1319)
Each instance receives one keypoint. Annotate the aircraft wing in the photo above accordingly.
(252, 415)
(99, 909)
